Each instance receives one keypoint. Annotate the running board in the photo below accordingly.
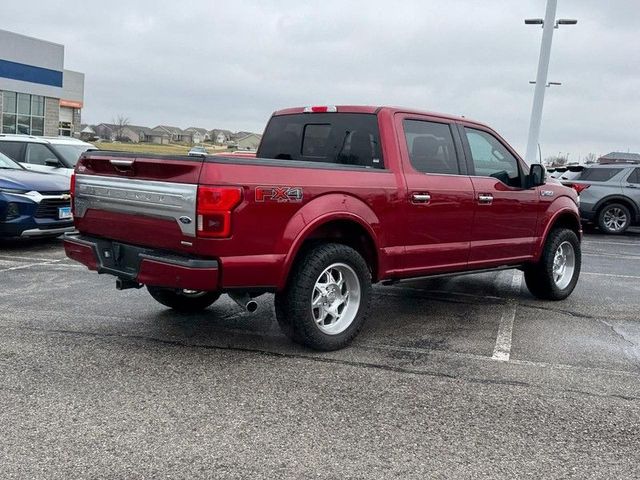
(393, 281)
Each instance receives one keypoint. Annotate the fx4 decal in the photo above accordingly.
(278, 194)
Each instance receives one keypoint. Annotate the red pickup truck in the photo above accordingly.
(336, 199)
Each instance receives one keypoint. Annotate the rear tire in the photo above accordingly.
(555, 275)
(326, 302)
(187, 301)
(614, 218)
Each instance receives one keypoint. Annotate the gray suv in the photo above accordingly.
(609, 196)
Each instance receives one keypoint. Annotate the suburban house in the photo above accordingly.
(175, 134)
(620, 157)
(198, 135)
(130, 133)
(220, 137)
(246, 141)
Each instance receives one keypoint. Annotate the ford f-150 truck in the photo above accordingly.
(337, 198)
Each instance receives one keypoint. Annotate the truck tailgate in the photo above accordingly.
(142, 200)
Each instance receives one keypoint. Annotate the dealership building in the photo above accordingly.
(37, 95)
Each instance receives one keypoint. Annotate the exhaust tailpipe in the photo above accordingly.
(244, 301)
(124, 284)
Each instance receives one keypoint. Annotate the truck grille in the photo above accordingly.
(48, 208)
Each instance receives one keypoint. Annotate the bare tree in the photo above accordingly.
(121, 123)
(590, 158)
(556, 161)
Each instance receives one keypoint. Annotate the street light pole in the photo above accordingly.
(541, 80)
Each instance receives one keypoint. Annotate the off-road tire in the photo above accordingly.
(539, 276)
(183, 302)
(293, 305)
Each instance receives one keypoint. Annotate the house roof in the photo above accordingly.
(242, 135)
(216, 131)
(169, 129)
(201, 131)
(622, 156)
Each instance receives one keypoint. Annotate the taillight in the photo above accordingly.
(72, 189)
(214, 210)
(579, 187)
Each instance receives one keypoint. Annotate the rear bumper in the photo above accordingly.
(142, 265)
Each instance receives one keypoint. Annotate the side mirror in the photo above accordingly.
(52, 162)
(536, 175)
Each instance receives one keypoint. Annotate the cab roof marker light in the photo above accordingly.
(321, 109)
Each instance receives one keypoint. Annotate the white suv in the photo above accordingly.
(44, 154)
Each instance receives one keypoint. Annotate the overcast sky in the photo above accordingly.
(229, 64)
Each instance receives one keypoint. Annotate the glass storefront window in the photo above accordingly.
(30, 113)
(9, 102)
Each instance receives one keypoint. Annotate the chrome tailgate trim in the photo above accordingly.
(175, 201)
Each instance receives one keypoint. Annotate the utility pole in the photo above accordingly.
(548, 25)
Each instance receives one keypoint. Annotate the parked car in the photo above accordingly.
(198, 150)
(337, 198)
(609, 196)
(32, 204)
(44, 154)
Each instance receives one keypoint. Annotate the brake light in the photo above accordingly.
(72, 189)
(579, 187)
(321, 109)
(214, 206)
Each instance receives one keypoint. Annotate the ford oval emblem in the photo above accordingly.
(185, 220)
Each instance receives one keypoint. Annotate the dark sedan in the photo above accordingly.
(32, 204)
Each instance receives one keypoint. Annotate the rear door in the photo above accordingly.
(631, 187)
(506, 214)
(438, 210)
(36, 157)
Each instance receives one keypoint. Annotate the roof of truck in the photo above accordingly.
(375, 109)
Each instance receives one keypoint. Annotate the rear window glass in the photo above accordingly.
(599, 174)
(341, 138)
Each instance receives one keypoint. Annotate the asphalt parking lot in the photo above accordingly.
(464, 377)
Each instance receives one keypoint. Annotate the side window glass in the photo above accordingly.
(38, 154)
(430, 147)
(635, 176)
(491, 158)
(13, 150)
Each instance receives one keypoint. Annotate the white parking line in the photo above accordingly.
(637, 244)
(17, 257)
(502, 349)
(621, 256)
(29, 265)
(609, 275)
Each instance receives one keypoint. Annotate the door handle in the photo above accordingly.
(485, 199)
(420, 198)
(631, 185)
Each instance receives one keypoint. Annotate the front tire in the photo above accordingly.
(614, 218)
(327, 298)
(556, 274)
(187, 301)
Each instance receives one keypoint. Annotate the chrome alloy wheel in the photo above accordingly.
(564, 264)
(614, 219)
(191, 293)
(335, 299)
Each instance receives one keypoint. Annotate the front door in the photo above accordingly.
(438, 210)
(506, 213)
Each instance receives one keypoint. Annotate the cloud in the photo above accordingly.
(229, 64)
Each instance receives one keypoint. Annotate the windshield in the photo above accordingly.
(6, 162)
(71, 153)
